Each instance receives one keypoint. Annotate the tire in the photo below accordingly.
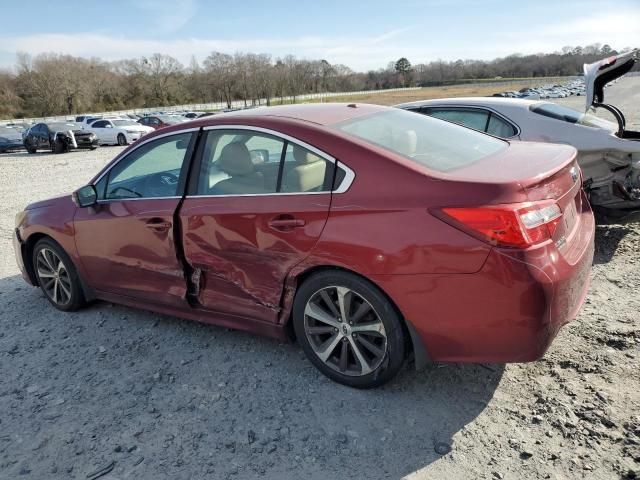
(31, 150)
(336, 347)
(64, 281)
(122, 140)
(58, 147)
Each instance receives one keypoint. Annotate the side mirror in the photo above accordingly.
(182, 144)
(85, 196)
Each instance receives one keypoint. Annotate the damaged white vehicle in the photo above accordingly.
(609, 153)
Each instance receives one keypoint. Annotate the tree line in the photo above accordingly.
(58, 84)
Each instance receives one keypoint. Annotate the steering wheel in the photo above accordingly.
(161, 184)
(616, 113)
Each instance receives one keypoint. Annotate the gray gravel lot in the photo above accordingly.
(157, 397)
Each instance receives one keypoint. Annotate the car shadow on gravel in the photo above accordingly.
(608, 237)
(168, 398)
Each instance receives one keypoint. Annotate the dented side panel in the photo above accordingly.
(243, 259)
(122, 255)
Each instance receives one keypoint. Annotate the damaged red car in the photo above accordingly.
(370, 234)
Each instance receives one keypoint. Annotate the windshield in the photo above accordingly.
(54, 127)
(9, 133)
(436, 144)
(569, 115)
(125, 123)
(171, 119)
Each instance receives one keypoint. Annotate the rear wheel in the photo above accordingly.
(122, 140)
(57, 276)
(349, 329)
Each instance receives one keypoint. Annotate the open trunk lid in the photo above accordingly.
(598, 74)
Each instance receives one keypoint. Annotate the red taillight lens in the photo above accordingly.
(518, 225)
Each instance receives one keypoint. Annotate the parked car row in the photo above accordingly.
(575, 87)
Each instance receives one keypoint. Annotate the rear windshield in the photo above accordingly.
(569, 115)
(435, 144)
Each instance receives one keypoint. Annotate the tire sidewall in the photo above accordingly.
(124, 139)
(77, 296)
(395, 355)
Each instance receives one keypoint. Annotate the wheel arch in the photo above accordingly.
(27, 259)
(414, 342)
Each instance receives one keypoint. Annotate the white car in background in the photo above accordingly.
(118, 131)
(608, 152)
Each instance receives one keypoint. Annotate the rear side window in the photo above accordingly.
(437, 145)
(499, 127)
(476, 119)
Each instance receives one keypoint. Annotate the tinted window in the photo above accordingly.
(500, 128)
(476, 119)
(152, 170)
(99, 124)
(239, 162)
(438, 145)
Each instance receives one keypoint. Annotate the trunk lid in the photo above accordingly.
(540, 176)
(598, 74)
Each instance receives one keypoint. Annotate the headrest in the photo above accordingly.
(406, 142)
(304, 156)
(235, 160)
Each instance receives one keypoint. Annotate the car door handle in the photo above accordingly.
(158, 224)
(286, 222)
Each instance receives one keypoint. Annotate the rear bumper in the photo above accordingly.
(132, 137)
(82, 143)
(509, 311)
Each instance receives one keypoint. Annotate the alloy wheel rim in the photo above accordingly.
(344, 331)
(53, 276)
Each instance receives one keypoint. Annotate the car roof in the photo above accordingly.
(484, 101)
(318, 113)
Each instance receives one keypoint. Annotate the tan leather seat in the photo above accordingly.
(235, 161)
(308, 174)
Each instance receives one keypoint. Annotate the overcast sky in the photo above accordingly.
(361, 34)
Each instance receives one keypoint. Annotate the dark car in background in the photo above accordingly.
(10, 140)
(58, 137)
(160, 121)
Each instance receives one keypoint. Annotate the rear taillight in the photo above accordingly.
(520, 225)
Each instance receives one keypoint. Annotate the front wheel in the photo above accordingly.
(349, 329)
(57, 276)
(122, 140)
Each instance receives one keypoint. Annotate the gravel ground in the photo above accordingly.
(142, 395)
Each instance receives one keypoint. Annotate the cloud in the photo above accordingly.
(360, 53)
(167, 16)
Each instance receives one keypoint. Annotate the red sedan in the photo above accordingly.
(370, 234)
(160, 121)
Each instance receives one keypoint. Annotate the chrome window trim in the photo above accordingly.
(139, 144)
(109, 200)
(343, 187)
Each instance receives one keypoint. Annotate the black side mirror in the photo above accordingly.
(86, 196)
(182, 144)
